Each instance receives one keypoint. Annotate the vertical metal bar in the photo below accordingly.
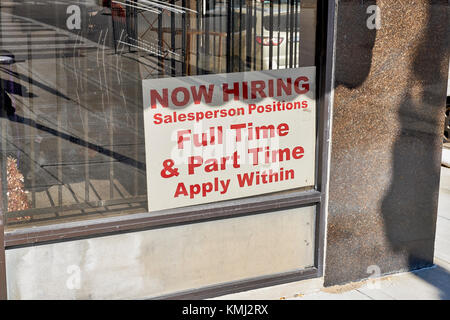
(202, 37)
(3, 203)
(220, 37)
(248, 45)
(33, 129)
(4, 181)
(172, 38)
(3, 284)
(160, 44)
(325, 43)
(85, 114)
(262, 35)
(58, 139)
(197, 56)
(278, 37)
(296, 33)
(287, 34)
(240, 37)
(127, 25)
(184, 29)
(136, 155)
(232, 58)
(3, 207)
(114, 29)
(229, 31)
(299, 34)
(4, 184)
(111, 142)
(271, 35)
(291, 30)
(189, 40)
(214, 28)
(220, 52)
(135, 21)
(206, 37)
(86, 155)
(111, 147)
(254, 39)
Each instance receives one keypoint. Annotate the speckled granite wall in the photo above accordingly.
(386, 138)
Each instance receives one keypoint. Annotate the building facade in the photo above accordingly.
(173, 149)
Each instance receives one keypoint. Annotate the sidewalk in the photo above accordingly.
(426, 284)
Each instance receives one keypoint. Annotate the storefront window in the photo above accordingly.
(72, 121)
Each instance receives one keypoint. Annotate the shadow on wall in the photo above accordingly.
(354, 44)
(409, 208)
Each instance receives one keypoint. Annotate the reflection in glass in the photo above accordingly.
(71, 118)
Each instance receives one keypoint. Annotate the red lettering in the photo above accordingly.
(194, 162)
(174, 96)
(245, 90)
(238, 128)
(234, 91)
(304, 87)
(181, 189)
(298, 152)
(197, 95)
(283, 129)
(258, 87)
(287, 88)
(181, 138)
(254, 153)
(154, 97)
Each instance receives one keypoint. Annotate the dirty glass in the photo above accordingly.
(71, 118)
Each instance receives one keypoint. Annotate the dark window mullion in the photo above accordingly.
(299, 34)
(232, 35)
(214, 28)
(184, 29)
(254, 38)
(291, 31)
(296, 38)
(249, 33)
(240, 36)
(278, 37)
(197, 56)
(287, 35)
(206, 16)
(229, 32)
(172, 40)
(160, 45)
(262, 35)
(271, 35)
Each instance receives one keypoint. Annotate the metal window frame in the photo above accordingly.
(3, 286)
(325, 37)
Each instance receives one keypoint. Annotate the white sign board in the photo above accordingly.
(227, 136)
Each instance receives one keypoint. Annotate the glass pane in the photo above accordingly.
(72, 131)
